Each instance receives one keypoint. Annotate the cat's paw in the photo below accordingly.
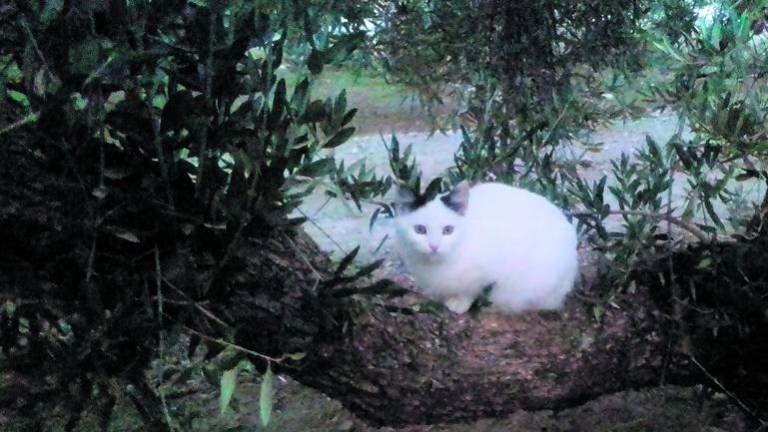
(458, 305)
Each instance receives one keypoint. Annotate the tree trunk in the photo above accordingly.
(282, 297)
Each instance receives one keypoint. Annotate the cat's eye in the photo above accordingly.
(448, 230)
(420, 229)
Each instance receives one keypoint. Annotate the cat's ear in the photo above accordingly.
(458, 199)
(404, 199)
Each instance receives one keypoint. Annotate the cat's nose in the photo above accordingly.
(433, 248)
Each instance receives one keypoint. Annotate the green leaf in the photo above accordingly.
(705, 263)
(716, 34)
(712, 213)
(374, 216)
(227, 388)
(348, 116)
(747, 174)
(317, 168)
(18, 97)
(315, 112)
(368, 269)
(126, 235)
(265, 396)
(51, 10)
(346, 261)
(296, 356)
(340, 137)
(279, 103)
(300, 95)
(344, 46)
(340, 106)
(599, 194)
(433, 188)
(315, 61)
(211, 374)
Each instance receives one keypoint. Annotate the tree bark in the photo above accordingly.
(386, 366)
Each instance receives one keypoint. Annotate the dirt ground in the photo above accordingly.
(672, 409)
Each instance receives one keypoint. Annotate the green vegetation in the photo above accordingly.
(154, 156)
(382, 106)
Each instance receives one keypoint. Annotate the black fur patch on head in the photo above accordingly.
(453, 205)
(410, 203)
(418, 201)
(458, 199)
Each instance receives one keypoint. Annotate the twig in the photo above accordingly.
(203, 156)
(163, 165)
(322, 231)
(557, 121)
(197, 305)
(161, 338)
(37, 49)
(742, 405)
(327, 200)
(693, 229)
(677, 307)
(756, 231)
(91, 255)
(238, 347)
(102, 143)
(29, 118)
(301, 255)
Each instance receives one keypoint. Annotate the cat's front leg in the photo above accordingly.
(459, 304)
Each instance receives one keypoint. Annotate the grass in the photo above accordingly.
(382, 106)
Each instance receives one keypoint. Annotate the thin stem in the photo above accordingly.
(37, 48)
(202, 157)
(161, 338)
(91, 255)
(301, 255)
(732, 396)
(198, 306)
(163, 165)
(322, 231)
(239, 348)
(688, 226)
(29, 118)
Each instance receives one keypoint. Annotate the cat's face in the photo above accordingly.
(435, 229)
(432, 230)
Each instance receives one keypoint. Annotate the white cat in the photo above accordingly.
(491, 234)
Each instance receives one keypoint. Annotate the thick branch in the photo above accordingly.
(426, 368)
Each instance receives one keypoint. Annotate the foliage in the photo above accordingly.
(706, 186)
(172, 120)
(578, 66)
(498, 38)
(530, 77)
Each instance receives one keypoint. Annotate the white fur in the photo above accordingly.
(509, 237)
